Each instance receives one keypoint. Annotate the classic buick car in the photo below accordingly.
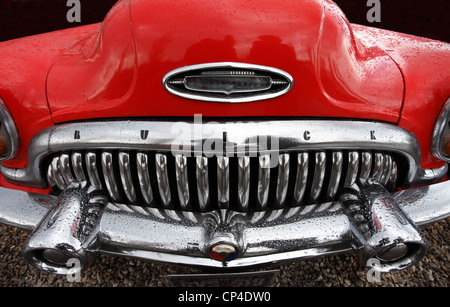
(224, 135)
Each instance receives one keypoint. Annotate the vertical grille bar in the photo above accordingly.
(144, 177)
(92, 170)
(366, 166)
(50, 177)
(319, 175)
(126, 177)
(110, 177)
(387, 169)
(243, 182)
(352, 170)
(394, 175)
(182, 180)
(302, 177)
(202, 182)
(336, 172)
(56, 173)
(283, 179)
(77, 165)
(378, 167)
(263, 180)
(223, 181)
(162, 177)
(64, 165)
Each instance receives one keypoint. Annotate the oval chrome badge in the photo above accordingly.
(228, 82)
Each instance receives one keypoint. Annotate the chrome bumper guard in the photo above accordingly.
(79, 224)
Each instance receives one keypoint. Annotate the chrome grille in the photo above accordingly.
(239, 183)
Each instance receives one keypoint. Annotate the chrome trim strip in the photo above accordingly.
(9, 125)
(429, 176)
(442, 122)
(144, 177)
(242, 137)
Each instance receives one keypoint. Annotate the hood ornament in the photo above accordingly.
(228, 82)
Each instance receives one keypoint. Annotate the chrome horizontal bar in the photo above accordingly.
(242, 138)
(288, 234)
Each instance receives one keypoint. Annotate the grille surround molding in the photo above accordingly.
(291, 135)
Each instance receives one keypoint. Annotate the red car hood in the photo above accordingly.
(118, 72)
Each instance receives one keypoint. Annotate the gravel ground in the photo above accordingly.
(342, 270)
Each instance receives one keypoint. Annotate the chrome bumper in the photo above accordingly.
(186, 238)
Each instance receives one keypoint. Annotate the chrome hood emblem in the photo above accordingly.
(228, 82)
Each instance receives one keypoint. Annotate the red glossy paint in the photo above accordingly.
(114, 70)
(424, 64)
(23, 71)
(141, 41)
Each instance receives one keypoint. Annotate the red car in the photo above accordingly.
(224, 134)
